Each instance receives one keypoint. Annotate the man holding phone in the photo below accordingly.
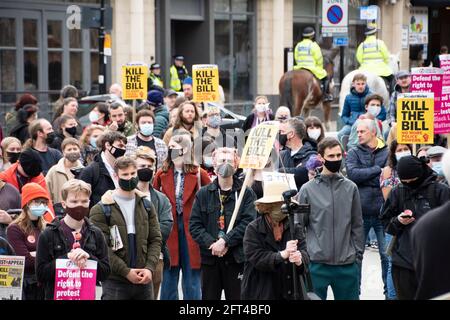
(418, 193)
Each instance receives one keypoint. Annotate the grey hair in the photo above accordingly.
(298, 126)
(369, 124)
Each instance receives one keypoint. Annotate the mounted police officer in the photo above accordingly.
(178, 73)
(373, 55)
(309, 56)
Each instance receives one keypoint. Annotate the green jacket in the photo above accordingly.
(148, 235)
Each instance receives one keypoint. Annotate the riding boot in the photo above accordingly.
(325, 84)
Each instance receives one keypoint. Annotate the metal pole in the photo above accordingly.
(341, 65)
(101, 43)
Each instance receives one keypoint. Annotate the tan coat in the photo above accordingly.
(56, 177)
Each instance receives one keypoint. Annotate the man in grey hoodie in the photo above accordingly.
(334, 227)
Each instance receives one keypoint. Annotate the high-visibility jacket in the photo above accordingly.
(156, 80)
(373, 56)
(308, 55)
(175, 81)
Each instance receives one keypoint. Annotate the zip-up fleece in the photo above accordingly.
(334, 227)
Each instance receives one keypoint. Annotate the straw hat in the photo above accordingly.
(273, 191)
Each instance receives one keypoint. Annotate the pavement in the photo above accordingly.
(371, 284)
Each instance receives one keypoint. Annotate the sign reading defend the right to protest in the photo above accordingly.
(415, 123)
(73, 283)
(205, 82)
(259, 145)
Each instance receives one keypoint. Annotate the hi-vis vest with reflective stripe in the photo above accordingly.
(175, 82)
(308, 55)
(373, 56)
(157, 81)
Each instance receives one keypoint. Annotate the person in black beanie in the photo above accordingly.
(418, 193)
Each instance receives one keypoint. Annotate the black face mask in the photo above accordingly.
(117, 153)
(128, 185)
(32, 169)
(333, 166)
(414, 184)
(72, 131)
(145, 174)
(50, 138)
(121, 126)
(282, 138)
(13, 156)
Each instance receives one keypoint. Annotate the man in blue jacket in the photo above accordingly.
(364, 164)
(354, 104)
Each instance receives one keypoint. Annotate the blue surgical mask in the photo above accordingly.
(146, 129)
(400, 155)
(208, 162)
(38, 211)
(93, 116)
(214, 121)
(437, 167)
(93, 141)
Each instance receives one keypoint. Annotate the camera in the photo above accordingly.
(298, 210)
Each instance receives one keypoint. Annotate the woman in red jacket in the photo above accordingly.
(23, 234)
(179, 179)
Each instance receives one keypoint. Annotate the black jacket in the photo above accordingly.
(205, 214)
(429, 239)
(53, 245)
(266, 275)
(98, 177)
(296, 163)
(21, 132)
(420, 202)
(247, 125)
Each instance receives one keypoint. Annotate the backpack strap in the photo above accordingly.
(431, 195)
(106, 208)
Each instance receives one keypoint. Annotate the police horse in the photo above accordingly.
(300, 90)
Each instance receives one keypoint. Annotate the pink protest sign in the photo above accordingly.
(442, 120)
(431, 80)
(73, 283)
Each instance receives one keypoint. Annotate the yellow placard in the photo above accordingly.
(415, 118)
(205, 82)
(259, 145)
(134, 81)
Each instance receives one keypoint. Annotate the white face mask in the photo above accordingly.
(314, 133)
(263, 107)
(402, 154)
(374, 110)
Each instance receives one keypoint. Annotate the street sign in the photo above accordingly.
(334, 16)
(340, 41)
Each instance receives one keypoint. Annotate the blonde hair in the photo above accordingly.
(70, 141)
(88, 131)
(7, 142)
(261, 97)
(145, 153)
(75, 186)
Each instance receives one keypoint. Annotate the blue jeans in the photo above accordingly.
(191, 281)
(375, 223)
(391, 294)
(345, 131)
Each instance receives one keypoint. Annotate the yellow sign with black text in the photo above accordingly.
(134, 81)
(415, 118)
(259, 145)
(205, 82)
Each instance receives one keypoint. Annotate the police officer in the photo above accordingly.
(309, 56)
(154, 78)
(373, 55)
(178, 73)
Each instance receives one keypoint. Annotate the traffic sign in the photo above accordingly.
(334, 16)
(340, 41)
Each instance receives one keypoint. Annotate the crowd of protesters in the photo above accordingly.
(152, 199)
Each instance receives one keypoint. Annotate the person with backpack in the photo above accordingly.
(100, 173)
(418, 193)
(129, 222)
(180, 179)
